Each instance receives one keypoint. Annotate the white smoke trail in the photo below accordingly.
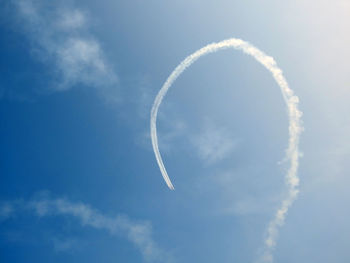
(295, 127)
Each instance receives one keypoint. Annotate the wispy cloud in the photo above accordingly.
(64, 245)
(6, 210)
(71, 20)
(138, 232)
(60, 37)
(214, 143)
(237, 192)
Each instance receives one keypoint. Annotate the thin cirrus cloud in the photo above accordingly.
(64, 245)
(238, 193)
(214, 144)
(60, 37)
(139, 233)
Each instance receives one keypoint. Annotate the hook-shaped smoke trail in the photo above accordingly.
(295, 127)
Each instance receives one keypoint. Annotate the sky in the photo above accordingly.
(79, 179)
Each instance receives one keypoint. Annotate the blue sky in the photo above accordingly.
(79, 181)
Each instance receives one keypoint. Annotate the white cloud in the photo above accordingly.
(61, 38)
(6, 211)
(64, 245)
(174, 129)
(237, 192)
(214, 143)
(138, 232)
(81, 60)
(72, 19)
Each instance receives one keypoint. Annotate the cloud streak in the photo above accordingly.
(214, 144)
(60, 36)
(139, 233)
(295, 128)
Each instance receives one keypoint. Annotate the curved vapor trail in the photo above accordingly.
(295, 127)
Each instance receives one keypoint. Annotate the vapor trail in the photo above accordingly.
(295, 127)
